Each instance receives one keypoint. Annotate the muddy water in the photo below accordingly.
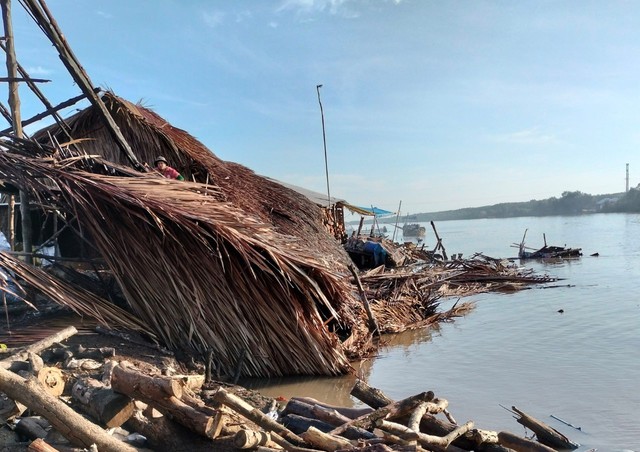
(581, 366)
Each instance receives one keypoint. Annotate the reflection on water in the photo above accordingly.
(335, 390)
(331, 390)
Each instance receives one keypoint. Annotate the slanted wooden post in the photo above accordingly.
(14, 105)
(45, 20)
(439, 242)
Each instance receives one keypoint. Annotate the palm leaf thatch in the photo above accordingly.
(149, 135)
(202, 274)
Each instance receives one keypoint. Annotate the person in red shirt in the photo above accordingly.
(167, 171)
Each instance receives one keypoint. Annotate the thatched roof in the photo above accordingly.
(233, 264)
(203, 275)
(149, 135)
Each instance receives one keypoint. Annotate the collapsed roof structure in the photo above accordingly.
(232, 264)
(228, 264)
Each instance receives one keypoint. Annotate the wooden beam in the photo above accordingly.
(40, 95)
(50, 111)
(45, 20)
(23, 79)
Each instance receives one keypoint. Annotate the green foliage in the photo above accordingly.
(569, 203)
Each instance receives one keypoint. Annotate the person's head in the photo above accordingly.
(161, 163)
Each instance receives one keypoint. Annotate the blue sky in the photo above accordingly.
(438, 104)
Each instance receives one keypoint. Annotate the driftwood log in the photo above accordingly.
(350, 413)
(162, 393)
(546, 435)
(279, 433)
(392, 410)
(141, 386)
(428, 424)
(164, 434)
(37, 347)
(70, 424)
(40, 445)
(328, 416)
(250, 439)
(424, 439)
(520, 444)
(106, 406)
(325, 441)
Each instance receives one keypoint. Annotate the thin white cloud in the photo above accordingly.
(273, 24)
(527, 136)
(243, 16)
(306, 7)
(38, 70)
(104, 15)
(213, 19)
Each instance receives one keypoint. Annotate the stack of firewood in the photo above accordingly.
(91, 398)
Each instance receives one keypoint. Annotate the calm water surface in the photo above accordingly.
(582, 366)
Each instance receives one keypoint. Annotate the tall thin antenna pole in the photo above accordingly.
(324, 141)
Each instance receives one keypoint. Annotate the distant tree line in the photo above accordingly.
(569, 203)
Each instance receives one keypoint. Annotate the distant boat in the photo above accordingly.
(413, 230)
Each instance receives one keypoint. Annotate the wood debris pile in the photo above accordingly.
(69, 397)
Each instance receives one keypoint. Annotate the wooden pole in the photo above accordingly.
(373, 325)
(51, 111)
(393, 239)
(45, 20)
(37, 347)
(14, 104)
(12, 221)
(439, 242)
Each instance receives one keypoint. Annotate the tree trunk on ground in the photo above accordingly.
(324, 441)
(128, 380)
(39, 346)
(73, 426)
(424, 439)
(394, 409)
(40, 445)
(103, 404)
(155, 392)
(279, 432)
(164, 434)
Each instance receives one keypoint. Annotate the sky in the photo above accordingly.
(436, 105)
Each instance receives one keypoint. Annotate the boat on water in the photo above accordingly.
(413, 230)
(547, 251)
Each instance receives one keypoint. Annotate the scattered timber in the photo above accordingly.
(181, 412)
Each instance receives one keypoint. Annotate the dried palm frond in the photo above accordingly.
(202, 274)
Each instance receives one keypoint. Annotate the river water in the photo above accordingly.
(581, 366)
